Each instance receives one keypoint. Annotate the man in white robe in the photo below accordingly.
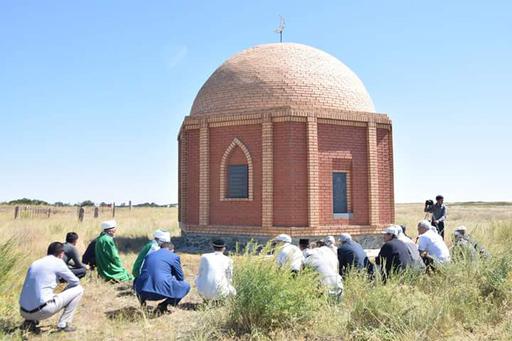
(214, 281)
(288, 254)
(320, 260)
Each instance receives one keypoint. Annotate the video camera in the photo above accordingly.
(429, 206)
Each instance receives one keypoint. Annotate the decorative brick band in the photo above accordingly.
(236, 143)
(313, 182)
(204, 202)
(182, 182)
(267, 173)
(373, 180)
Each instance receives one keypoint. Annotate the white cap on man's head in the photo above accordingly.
(162, 236)
(329, 240)
(345, 237)
(460, 231)
(108, 224)
(283, 238)
(391, 230)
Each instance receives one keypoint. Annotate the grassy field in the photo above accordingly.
(465, 301)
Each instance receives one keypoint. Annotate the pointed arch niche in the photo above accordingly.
(235, 146)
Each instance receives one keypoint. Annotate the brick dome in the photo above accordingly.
(282, 75)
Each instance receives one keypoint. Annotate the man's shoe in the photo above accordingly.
(67, 329)
(30, 326)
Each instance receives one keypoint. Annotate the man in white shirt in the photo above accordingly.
(214, 281)
(38, 301)
(320, 261)
(288, 255)
(431, 245)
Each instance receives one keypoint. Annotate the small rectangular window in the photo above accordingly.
(238, 184)
(339, 192)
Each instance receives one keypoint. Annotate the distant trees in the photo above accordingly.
(27, 201)
(87, 203)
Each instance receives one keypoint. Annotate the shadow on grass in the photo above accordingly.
(130, 244)
(133, 314)
(189, 306)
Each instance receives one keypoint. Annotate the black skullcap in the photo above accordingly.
(218, 243)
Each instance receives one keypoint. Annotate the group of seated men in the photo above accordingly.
(157, 273)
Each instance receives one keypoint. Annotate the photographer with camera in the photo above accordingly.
(438, 211)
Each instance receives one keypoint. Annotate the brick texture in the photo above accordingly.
(235, 212)
(290, 174)
(343, 148)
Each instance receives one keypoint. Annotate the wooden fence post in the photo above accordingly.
(96, 212)
(130, 204)
(81, 212)
(113, 210)
(16, 212)
(49, 212)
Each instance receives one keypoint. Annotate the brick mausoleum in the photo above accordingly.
(284, 138)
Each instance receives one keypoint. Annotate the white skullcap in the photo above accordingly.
(284, 238)
(391, 230)
(329, 240)
(106, 225)
(345, 237)
(399, 229)
(460, 231)
(425, 224)
(162, 236)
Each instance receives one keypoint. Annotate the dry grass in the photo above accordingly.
(110, 312)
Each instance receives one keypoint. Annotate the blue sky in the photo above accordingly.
(92, 93)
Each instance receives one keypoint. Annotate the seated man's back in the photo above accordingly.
(434, 245)
(215, 275)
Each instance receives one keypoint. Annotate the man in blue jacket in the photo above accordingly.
(162, 278)
(352, 254)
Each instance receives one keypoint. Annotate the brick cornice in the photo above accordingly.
(280, 114)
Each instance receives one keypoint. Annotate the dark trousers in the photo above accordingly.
(440, 228)
(79, 272)
(145, 296)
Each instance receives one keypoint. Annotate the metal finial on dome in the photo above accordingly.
(280, 29)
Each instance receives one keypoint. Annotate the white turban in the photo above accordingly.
(284, 238)
(106, 225)
(345, 237)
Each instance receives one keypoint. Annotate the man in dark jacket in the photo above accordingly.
(352, 254)
(394, 255)
(72, 257)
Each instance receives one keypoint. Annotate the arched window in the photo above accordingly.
(236, 173)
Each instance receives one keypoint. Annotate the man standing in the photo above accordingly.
(431, 245)
(288, 255)
(351, 254)
(214, 281)
(438, 211)
(39, 302)
(150, 247)
(108, 261)
(394, 255)
(72, 257)
(162, 278)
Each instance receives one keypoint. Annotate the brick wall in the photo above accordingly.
(343, 146)
(385, 171)
(192, 177)
(290, 174)
(234, 212)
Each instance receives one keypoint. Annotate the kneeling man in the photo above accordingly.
(39, 302)
(162, 278)
(214, 281)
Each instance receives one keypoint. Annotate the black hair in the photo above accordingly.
(304, 243)
(439, 197)
(167, 245)
(55, 249)
(71, 237)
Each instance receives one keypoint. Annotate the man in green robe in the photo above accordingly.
(150, 247)
(108, 262)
